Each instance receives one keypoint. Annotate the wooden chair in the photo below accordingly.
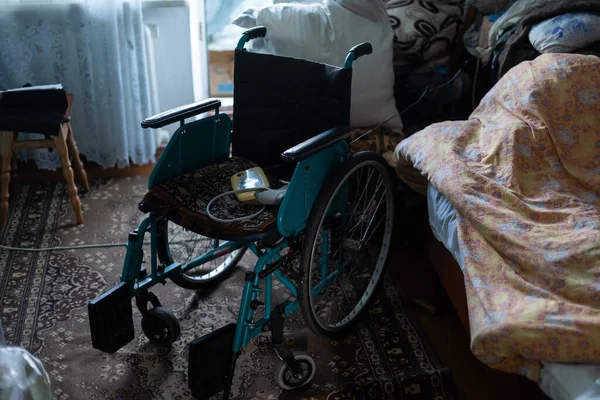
(63, 142)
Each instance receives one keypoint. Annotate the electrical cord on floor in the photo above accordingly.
(79, 247)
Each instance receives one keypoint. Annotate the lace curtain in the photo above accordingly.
(95, 48)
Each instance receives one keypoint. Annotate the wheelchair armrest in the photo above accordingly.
(316, 144)
(180, 113)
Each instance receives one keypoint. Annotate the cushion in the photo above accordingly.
(380, 140)
(183, 200)
(423, 29)
(323, 32)
(566, 33)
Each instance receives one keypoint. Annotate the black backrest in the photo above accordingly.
(280, 102)
(33, 109)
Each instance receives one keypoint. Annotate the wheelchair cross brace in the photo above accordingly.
(137, 283)
(205, 379)
(112, 316)
(246, 329)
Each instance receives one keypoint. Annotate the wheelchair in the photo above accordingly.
(327, 241)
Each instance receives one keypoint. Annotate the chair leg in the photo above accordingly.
(77, 164)
(13, 167)
(7, 139)
(60, 141)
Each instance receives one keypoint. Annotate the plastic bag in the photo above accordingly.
(566, 33)
(22, 376)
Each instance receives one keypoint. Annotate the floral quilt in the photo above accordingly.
(523, 173)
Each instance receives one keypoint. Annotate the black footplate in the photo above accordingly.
(210, 362)
(111, 320)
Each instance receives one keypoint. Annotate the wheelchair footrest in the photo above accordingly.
(111, 319)
(210, 359)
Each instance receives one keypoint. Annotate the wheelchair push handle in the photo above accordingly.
(356, 52)
(251, 34)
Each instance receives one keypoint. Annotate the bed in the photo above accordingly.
(558, 381)
(513, 196)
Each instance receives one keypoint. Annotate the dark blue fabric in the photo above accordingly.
(33, 109)
(280, 102)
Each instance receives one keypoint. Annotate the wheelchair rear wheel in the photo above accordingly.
(176, 244)
(346, 244)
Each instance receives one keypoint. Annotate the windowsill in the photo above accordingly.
(163, 3)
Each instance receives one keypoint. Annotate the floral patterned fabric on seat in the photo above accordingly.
(183, 200)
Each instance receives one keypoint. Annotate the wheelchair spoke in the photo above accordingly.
(181, 249)
(326, 304)
(331, 300)
(361, 196)
(365, 204)
(375, 230)
(193, 252)
(182, 252)
(185, 246)
(355, 263)
(172, 238)
(374, 214)
(336, 286)
(364, 217)
(327, 288)
(186, 249)
(346, 298)
(341, 289)
(331, 303)
(199, 270)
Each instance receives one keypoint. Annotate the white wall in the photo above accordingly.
(200, 62)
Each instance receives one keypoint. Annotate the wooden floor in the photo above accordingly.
(474, 380)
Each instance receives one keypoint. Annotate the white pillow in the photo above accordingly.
(324, 32)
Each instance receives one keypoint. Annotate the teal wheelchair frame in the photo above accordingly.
(316, 160)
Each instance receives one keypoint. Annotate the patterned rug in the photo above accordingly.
(43, 299)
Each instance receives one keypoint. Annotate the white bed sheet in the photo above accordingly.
(558, 381)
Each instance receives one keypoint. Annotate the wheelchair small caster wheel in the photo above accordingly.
(160, 326)
(286, 378)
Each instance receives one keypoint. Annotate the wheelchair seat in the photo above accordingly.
(183, 199)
